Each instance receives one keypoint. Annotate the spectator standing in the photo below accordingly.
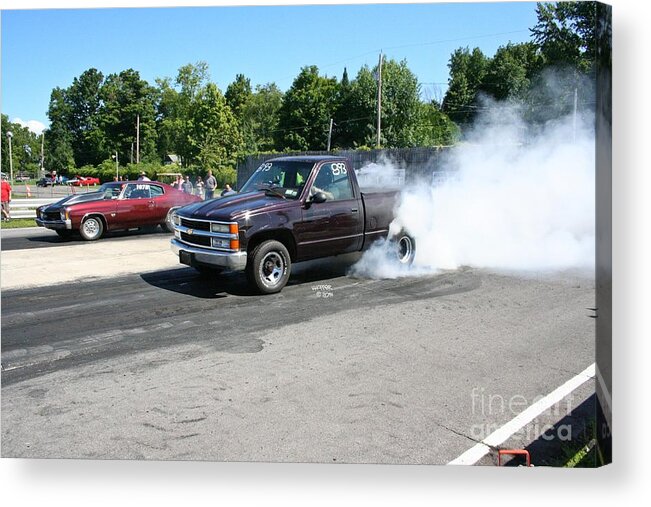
(186, 186)
(211, 185)
(6, 198)
(199, 187)
(228, 190)
(178, 184)
(143, 176)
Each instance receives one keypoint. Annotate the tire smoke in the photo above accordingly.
(510, 198)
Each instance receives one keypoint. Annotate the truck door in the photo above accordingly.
(335, 226)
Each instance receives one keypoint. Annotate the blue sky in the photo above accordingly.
(43, 49)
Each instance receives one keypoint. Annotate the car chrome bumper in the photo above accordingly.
(54, 224)
(232, 260)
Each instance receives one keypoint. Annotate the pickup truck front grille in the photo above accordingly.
(195, 240)
(200, 225)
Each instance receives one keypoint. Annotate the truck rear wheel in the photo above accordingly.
(406, 248)
(269, 267)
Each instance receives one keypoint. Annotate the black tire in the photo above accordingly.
(91, 228)
(168, 225)
(64, 233)
(405, 247)
(269, 267)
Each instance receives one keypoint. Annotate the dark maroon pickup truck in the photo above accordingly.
(291, 209)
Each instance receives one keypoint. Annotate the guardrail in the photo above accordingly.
(26, 208)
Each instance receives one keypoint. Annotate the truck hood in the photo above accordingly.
(235, 206)
(78, 198)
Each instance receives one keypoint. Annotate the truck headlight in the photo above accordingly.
(223, 228)
(221, 243)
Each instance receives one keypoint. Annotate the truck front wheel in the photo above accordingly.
(269, 267)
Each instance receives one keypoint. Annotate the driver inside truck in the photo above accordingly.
(323, 183)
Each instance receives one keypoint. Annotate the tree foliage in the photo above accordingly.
(304, 116)
(467, 72)
(566, 33)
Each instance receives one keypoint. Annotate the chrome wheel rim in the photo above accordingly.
(91, 227)
(272, 269)
(405, 249)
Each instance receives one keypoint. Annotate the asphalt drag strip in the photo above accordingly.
(171, 365)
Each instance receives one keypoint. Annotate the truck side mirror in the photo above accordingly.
(319, 197)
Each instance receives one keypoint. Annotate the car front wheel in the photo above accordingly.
(91, 228)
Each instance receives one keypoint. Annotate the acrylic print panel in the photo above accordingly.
(392, 245)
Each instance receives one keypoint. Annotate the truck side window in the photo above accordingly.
(334, 181)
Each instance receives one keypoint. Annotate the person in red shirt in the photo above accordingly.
(6, 198)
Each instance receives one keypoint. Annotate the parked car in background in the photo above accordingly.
(45, 182)
(114, 206)
(83, 181)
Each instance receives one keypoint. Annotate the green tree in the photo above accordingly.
(25, 147)
(510, 72)
(400, 106)
(238, 94)
(213, 135)
(305, 115)
(59, 155)
(174, 108)
(83, 106)
(566, 33)
(125, 97)
(259, 118)
(435, 127)
(467, 72)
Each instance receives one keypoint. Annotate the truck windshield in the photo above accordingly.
(283, 178)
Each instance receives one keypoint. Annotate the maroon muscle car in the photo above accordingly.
(115, 206)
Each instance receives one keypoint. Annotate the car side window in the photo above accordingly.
(156, 191)
(137, 191)
(334, 181)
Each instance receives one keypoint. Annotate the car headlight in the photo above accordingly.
(65, 213)
(221, 243)
(176, 219)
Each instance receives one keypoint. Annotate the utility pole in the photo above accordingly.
(329, 135)
(138, 139)
(11, 160)
(379, 101)
(131, 158)
(117, 165)
(42, 152)
(576, 107)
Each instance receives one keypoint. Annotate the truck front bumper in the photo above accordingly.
(192, 255)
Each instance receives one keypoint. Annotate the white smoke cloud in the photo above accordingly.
(33, 125)
(512, 200)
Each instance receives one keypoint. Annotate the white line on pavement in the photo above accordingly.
(479, 450)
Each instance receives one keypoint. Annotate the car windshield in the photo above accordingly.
(282, 178)
(111, 190)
